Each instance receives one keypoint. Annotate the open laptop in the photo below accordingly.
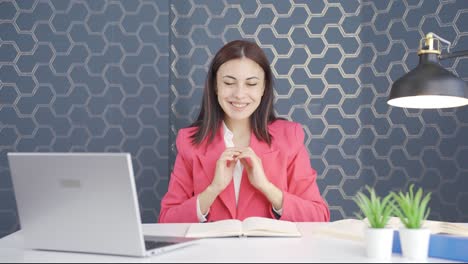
(82, 202)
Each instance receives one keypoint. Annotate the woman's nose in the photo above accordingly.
(239, 91)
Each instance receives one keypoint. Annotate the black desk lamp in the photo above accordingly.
(429, 85)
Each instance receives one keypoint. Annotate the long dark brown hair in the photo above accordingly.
(211, 114)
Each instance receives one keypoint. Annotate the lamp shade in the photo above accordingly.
(428, 86)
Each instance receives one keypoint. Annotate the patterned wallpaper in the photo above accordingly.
(125, 75)
(334, 63)
(86, 76)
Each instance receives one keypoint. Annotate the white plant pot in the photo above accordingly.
(379, 242)
(415, 243)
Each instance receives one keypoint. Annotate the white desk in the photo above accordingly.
(312, 247)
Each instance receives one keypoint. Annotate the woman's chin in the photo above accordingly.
(238, 116)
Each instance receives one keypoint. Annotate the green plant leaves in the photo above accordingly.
(412, 209)
(376, 210)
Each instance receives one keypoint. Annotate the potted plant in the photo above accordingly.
(412, 209)
(377, 211)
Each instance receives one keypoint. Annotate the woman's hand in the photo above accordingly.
(253, 165)
(254, 168)
(225, 169)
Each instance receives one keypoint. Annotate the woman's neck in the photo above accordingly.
(240, 129)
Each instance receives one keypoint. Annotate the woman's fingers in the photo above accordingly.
(229, 155)
(232, 155)
(246, 163)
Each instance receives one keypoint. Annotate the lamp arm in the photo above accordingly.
(462, 53)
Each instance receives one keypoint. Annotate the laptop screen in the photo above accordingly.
(81, 202)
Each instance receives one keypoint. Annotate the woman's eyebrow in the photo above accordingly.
(231, 77)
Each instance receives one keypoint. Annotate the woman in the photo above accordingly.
(238, 159)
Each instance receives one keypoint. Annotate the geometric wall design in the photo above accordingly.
(124, 76)
(334, 63)
(86, 76)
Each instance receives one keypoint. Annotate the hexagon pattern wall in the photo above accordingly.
(334, 62)
(86, 76)
(108, 75)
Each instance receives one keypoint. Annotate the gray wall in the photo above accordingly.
(126, 75)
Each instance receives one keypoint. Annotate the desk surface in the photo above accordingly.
(312, 247)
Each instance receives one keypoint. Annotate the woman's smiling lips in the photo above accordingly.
(239, 106)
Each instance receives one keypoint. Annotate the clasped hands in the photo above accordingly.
(227, 162)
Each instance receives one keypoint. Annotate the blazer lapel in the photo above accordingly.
(268, 156)
(208, 161)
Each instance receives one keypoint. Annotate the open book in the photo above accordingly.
(252, 226)
(353, 229)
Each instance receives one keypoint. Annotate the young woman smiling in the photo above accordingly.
(238, 159)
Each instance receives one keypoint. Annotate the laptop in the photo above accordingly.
(82, 202)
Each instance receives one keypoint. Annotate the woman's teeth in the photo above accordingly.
(239, 105)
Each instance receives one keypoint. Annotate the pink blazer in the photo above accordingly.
(286, 164)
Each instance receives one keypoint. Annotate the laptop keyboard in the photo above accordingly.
(149, 245)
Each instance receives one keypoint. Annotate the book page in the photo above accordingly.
(260, 226)
(353, 229)
(436, 227)
(223, 228)
(440, 227)
(350, 229)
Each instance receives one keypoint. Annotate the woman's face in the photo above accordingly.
(240, 87)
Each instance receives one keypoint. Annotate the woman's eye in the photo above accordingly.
(251, 84)
(228, 83)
